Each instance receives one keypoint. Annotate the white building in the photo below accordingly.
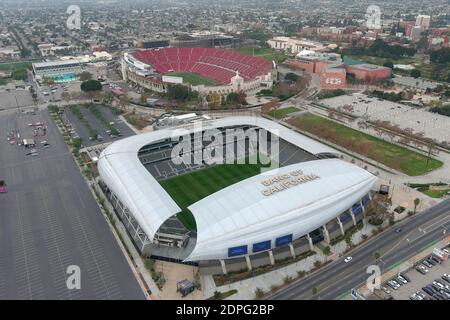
(423, 21)
(254, 216)
(294, 45)
(57, 69)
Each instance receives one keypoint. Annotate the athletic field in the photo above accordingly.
(193, 78)
(192, 187)
(265, 53)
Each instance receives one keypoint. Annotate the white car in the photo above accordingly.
(423, 268)
(401, 279)
(440, 285)
(348, 259)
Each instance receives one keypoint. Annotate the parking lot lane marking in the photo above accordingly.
(18, 164)
(24, 247)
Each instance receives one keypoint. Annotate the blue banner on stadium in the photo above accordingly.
(283, 240)
(237, 251)
(261, 246)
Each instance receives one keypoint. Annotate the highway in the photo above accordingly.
(336, 279)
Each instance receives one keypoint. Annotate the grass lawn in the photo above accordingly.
(192, 187)
(436, 193)
(410, 162)
(380, 61)
(281, 113)
(265, 53)
(437, 72)
(15, 66)
(193, 78)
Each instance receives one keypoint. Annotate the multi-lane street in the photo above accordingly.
(338, 278)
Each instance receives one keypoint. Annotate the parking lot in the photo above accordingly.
(432, 125)
(49, 221)
(82, 132)
(15, 99)
(417, 281)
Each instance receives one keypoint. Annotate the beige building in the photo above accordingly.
(294, 45)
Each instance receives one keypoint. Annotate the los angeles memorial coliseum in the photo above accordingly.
(226, 217)
(228, 70)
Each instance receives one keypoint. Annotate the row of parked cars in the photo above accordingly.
(439, 289)
(396, 283)
(427, 263)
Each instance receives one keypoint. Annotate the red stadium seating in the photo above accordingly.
(218, 64)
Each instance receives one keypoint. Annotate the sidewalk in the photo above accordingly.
(246, 288)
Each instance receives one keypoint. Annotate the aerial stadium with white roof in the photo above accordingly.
(224, 215)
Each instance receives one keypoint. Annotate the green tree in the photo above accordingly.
(291, 76)
(107, 98)
(348, 238)
(19, 74)
(326, 251)
(389, 64)
(415, 73)
(314, 291)
(416, 203)
(91, 86)
(77, 142)
(232, 97)
(376, 255)
(24, 53)
(178, 92)
(259, 293)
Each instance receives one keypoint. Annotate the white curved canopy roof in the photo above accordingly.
(121, 169)
(242, 215)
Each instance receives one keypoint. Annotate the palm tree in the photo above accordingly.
(326, 251)
(416, 203)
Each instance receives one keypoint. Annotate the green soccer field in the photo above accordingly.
(192, 187)
(194, 79)
(265, 53)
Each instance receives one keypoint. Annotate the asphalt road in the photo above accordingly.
(49, 221)
(337, 278)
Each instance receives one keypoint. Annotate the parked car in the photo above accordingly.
(404, 276)
(421, 294)
(401, 280)
(423, 269)
(428, 290)
(439, 284)
(435, 259)
(431, 261)
(393, 284)
(426, 263)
